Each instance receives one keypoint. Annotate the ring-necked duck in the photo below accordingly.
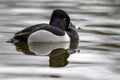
(58, 30)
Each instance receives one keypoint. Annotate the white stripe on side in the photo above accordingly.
(46, 36)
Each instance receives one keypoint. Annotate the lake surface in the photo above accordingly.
(95, 57)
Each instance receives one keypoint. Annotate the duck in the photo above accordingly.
(59, 29)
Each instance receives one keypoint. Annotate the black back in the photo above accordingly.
(24, 34)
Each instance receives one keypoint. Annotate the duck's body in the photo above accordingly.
(57, 30)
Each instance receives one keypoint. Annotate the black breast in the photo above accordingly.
(72, 34)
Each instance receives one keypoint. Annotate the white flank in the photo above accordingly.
(46, 48)
(46, 36)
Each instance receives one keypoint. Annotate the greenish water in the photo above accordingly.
(95, 57)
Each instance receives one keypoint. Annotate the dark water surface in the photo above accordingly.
(96, 57)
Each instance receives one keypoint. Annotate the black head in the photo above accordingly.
(60, 19)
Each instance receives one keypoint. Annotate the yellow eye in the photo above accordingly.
(65, 19)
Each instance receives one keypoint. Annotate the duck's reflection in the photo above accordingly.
(58, 57)
(23, 47)
(57, 52)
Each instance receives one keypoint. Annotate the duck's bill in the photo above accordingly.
(73, 26)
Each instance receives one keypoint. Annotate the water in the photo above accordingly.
(96, 57)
